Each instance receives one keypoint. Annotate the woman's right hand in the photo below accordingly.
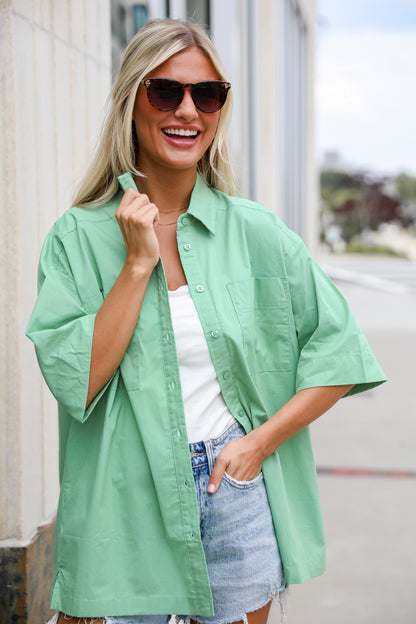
(116, 319)
(137, 217)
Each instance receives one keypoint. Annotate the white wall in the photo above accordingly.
(54, 79)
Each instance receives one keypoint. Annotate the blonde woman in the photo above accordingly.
(189, 340)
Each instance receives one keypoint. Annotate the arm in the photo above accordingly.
(116, 319)
(243, 458)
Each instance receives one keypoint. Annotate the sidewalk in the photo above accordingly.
(369, 520)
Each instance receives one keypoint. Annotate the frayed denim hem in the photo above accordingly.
(81, 620)
(280, 597)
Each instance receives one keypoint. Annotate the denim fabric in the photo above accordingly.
(237, 533)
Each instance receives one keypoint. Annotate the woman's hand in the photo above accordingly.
(137, 216)
(116, 319)
(241, 459)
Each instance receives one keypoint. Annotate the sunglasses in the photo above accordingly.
(165, 94)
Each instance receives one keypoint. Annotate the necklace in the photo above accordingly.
(170, 211)
(165, 224)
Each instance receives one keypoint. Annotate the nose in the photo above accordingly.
(186, 108)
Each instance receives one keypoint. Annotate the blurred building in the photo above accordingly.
(57, 61)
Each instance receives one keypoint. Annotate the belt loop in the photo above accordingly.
(210, 455)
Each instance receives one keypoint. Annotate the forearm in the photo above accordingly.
(243, 458)
(114, 325)
(300, 411)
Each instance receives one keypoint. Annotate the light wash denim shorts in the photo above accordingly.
(239, 541)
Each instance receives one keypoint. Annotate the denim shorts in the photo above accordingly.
(239, 541)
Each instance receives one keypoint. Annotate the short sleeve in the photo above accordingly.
(332, 348)
(61, 329)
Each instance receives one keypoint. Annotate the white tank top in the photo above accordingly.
(206, 413)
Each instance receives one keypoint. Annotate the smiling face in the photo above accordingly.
(175, 139)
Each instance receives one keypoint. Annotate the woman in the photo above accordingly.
(189, 342)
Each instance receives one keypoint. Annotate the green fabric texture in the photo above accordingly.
(127, 537)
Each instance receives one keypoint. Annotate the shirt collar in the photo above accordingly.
(202, 205)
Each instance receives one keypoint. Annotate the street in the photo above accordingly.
(366, 461)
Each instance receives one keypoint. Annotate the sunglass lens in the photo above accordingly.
(209, 96)
(165, 94)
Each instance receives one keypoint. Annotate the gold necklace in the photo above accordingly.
(165, 224)
(170, 211)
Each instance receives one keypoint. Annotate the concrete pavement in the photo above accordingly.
(370, 521)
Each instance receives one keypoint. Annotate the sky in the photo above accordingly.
(366, 83)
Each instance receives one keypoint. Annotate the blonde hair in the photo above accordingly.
(116, 152)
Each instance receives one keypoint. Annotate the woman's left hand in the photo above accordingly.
(241, 459)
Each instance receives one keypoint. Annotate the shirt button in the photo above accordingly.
(241, 413)
(214, 333)
(167, 338)
(172, 385)
(192, 535)
(199, 288)
(185, 483)
(185, 221)
(226, 374)
(178, 433)
(187, 246)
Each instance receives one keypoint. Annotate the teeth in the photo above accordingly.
(181, 132)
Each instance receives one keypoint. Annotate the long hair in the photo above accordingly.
(116, 151)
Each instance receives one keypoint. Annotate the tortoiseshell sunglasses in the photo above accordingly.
(165, 94)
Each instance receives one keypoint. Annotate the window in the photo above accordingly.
(198, 11)
(126, 19)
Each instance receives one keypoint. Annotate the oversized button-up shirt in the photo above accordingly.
(127, 538)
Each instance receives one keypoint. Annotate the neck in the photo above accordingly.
(169, 191)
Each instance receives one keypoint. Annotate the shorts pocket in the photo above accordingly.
(243, 485)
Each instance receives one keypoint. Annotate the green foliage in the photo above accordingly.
(406, 187)
(357, 202)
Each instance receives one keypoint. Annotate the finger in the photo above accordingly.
(132, 199)
(129, 196)
(138, 214)
(216, 475)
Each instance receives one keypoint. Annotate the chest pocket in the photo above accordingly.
(262, 308)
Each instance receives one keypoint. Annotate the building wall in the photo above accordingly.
(54, 78)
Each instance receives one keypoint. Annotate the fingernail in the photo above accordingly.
(211, 488)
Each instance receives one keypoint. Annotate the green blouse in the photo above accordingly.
(127, 538)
